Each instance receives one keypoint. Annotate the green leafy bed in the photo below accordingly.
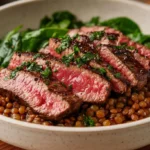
(56, 26)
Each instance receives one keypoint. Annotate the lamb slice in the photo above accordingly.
(104, 52)
(142, 50)
(113, 60)
(40, 97)
(128, 59)
(116, 63)
(118, 86)
(140, 53)
(88, 86)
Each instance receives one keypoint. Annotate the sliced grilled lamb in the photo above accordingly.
(52, 103)
(104, 52)
(128, 57)
(114, 61)
(88, 86)
(114, 37)
(121, 39)
(118, 86)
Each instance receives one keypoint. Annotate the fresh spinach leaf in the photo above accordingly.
(140, 38)
(44, 22)
(145, 40)
(44, 44)
(0, 42)
(63, 15)
(61, 19)
(32, 40)
(11, 43)
(137, 36)
(95, 21)
(122, 24)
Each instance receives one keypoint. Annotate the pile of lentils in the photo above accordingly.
(132, 106)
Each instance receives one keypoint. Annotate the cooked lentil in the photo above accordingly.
(131, 106)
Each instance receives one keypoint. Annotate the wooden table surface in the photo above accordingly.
(5, 146)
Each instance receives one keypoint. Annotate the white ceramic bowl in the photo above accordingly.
(36, 137)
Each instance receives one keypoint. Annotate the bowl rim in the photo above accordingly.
(73, 129)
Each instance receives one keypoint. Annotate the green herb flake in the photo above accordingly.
(76, 49)
(38, 55)
(46, 73)
(130, 48)
(88, 57)
(68, 59)
(75, 36)
(102, 71)
(117, 75)
(112, 37)
(88, 121)
(13, 74)
(110, 67)
(33, 66)
(96, 35)
(85, 59)
(6, 78)
(65, 43)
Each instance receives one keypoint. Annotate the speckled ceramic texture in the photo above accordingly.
(36, 137)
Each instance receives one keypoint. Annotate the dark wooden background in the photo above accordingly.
(5, 146)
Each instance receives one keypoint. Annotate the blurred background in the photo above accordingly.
(2, 2)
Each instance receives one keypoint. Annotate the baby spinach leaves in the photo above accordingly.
(61, 19)
(10, 44)
(122, 24)
(129, 28)
(32, 40)
(29, 41)
(57, 26)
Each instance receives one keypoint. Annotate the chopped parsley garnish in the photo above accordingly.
(85, 59)
(97, 57)
(65, 43)
(68, 59)
(46, 73)
(96, 35)
(19, 68)
(117, 75)
(75, 36)
(120, 47)
(130, 48)
(33, 67)
(76, 49)
(88, 57)
(124, 46)
(88, 121)
(38, 55)
(13, 74)
(112, 37)
(100, 71)
(110, 67)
